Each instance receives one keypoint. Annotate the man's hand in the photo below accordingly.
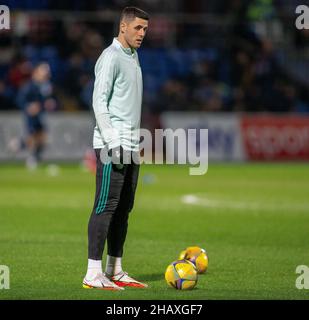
(33, 108)
(117, 156)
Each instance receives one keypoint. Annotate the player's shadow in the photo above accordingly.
(151, 277)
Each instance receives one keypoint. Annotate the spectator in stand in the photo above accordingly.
(19, 72)
(173, 97)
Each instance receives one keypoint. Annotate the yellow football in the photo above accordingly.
(197, 256)
(181, 275)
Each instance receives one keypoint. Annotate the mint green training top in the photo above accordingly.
(117, 98)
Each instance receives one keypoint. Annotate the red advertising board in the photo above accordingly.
(270, 137)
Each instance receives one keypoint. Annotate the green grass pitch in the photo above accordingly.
(253, 219)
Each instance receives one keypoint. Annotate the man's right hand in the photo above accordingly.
(117, 156)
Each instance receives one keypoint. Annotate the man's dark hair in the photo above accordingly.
(130, 13)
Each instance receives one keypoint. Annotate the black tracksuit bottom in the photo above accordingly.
(114, 199)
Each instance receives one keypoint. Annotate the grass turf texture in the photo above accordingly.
(253, 250)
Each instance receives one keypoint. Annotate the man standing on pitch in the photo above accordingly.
(117, 99)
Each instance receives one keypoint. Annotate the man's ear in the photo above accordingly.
(123, 26)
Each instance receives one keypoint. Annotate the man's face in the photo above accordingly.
(134, 31)
(42, 73)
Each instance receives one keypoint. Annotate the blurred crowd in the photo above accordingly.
(186, 65)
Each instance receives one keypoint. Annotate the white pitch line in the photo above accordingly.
(241, 205)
